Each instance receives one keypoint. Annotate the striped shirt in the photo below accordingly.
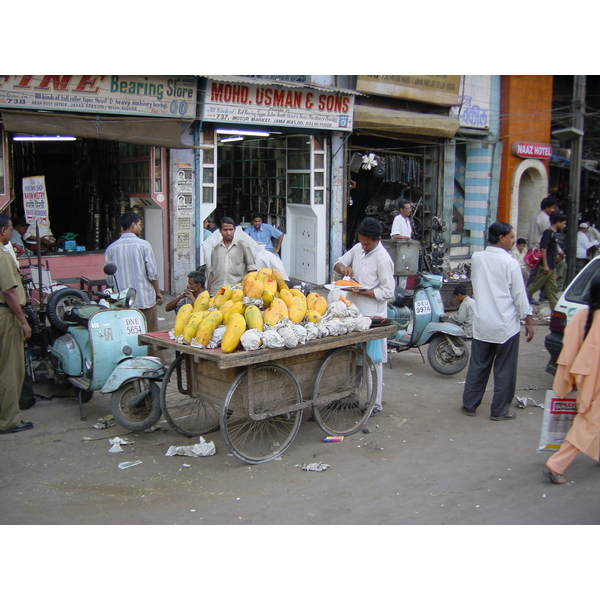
(136, 268)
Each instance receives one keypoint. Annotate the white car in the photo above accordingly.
(574, 298)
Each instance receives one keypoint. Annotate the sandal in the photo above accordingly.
(554, 477)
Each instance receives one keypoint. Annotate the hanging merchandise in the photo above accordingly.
(369, 161)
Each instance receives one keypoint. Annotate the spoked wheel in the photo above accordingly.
(185, 404)
(447, 357)
(258, 421)
(136, 404)
(345, 391)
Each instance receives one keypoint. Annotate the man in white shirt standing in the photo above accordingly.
(501, 304)
(401, 227)
(371, 265)
(540, 222)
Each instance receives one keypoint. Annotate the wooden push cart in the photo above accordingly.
(257, 397)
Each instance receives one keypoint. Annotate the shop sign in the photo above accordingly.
(434, 89)
(474, 103)
(35, 200)
(148, 95)
(532, 150)
(269, 104)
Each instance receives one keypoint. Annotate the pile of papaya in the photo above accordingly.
(260, 300)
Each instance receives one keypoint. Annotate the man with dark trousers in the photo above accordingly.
(501, 304)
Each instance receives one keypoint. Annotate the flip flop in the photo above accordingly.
(554, 478)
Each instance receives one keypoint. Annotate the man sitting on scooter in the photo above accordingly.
(194, 288)
(466, 310)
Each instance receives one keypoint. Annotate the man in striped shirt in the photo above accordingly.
(136, 268)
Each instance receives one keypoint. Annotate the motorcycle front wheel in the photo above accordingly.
(442, 357)
(136, 404)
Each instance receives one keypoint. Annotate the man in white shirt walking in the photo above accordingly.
(501, 304)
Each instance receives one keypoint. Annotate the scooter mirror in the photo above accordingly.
(130, 297)
(110, 269)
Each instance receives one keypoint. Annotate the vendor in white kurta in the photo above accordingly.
(402, 230)
(369, 263)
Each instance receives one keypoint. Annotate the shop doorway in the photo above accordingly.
(530, 187)
(82, 184)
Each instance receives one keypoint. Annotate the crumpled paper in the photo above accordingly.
(313, 466)
(117, 442)
(203, 448)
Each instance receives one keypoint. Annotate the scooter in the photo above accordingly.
(97, 349)
(420, 319)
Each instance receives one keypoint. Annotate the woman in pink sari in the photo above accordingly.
(578, 367)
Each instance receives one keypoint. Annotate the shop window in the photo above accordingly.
(142, 170)
(209, 168)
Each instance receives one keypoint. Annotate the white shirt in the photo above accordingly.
(499, 291)
(374, 271)
(401, 226)
(583, 243)
(269, 260)
(212, 240)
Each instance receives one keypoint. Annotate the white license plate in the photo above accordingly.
(133, 325)
(422, 307)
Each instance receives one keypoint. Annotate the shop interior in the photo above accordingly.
(263, 172)
(88, 184)
(384, 171)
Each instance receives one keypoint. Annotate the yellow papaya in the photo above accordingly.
(191, 325)
(224, 291)
(219, 300)
(236, 307)
(266, 271)
(254, 318)
(281, 284)
(180, 320)
(270, 284)
(202, 301)
(297, 293)
(271, 316)
(225, 306)
(212, 319)
(267, 298)
(318, 303)
(287, 297)
(233, 333)
(237, 294)
(281, 307)
(255, 290)
(297, 311)
(312, 316)
(248, 281)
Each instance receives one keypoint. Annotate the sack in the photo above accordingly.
(532, 257)
(558, 417)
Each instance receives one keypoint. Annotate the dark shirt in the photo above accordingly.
(549, 242)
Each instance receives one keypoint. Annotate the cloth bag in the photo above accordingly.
(558, 417)
(532, 257)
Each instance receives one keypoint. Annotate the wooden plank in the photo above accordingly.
(244, 358)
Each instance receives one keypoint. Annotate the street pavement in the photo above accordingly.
(423, 462)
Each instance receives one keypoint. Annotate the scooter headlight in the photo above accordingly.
(129, 299)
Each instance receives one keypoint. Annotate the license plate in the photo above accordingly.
(133, 325)
(422, 307)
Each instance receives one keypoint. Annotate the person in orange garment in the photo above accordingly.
(577, 367)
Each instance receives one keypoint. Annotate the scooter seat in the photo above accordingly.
(76, 316)
(402, 297)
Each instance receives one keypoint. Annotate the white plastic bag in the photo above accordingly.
(558, 417)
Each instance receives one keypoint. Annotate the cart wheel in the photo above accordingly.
(146, 410)
(189, 412)
(343, 396)
(274, 389)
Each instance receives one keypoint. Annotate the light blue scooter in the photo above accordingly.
(420, 319)
(100, 352)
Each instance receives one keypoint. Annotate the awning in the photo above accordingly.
(399, 122)
(149, 131)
